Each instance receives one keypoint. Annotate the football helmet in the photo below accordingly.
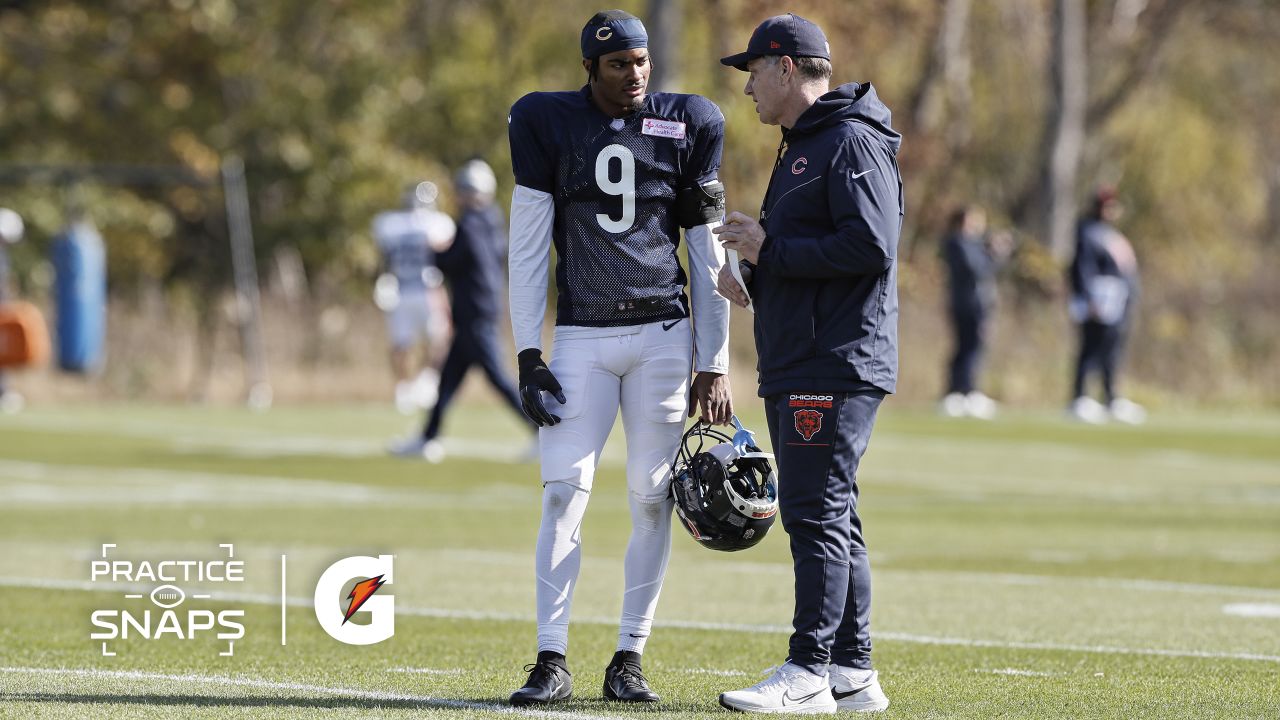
(725, 489)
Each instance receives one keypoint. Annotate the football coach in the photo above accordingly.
(820, 266)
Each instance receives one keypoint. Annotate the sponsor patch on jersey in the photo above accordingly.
(663, 128)
(811, 401)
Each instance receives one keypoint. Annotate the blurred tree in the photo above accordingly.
(336, 105)
(664, 22)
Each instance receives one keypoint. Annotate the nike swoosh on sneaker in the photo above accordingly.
(788, 700)
(842, 695)
(674, 323)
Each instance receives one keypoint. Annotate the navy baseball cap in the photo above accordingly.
(787, 34)
(611, 31)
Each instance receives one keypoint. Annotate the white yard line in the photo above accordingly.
(962, 576)
(343, 494)
(712, 671)
(452, 614)
(1100, 649)
(338, 692)
(34, 483)
(1016, 671)
(237, 443)
(1252, 610)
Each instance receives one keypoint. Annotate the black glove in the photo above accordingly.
(535, 377)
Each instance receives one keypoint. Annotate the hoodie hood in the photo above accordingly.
(851, 101)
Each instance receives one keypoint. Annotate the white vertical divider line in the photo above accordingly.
(284, 602)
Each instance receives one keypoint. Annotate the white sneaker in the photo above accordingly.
(433, 452)
(980, 406)
(415, 448)
(857, 690)
(790, 689)
(1087, 410)
(1127, 411)
(408, 447)
(953, 405)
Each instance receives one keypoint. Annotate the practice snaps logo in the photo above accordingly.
(158, 614)
(335, 609)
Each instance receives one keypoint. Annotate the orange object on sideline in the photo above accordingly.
(24, 337)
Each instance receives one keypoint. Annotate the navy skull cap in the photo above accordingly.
(787, 34)
(611, 31)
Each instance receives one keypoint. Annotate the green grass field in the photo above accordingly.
(1025, 568)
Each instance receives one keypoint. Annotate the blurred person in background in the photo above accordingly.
(409, 291)
(11, 232)
(972, 256)
(475, 268)
(1104, 293)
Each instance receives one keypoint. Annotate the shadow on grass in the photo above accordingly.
(480, 704)
(232, 701)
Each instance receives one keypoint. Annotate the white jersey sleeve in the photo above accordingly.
(710, 310)
(532, 215)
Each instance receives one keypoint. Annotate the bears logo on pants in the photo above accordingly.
(808, 423)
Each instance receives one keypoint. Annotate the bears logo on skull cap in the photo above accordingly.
(611, 31)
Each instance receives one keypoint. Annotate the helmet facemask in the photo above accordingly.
(727, 493)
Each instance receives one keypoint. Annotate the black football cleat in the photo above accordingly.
(548, 682)
(624, 682)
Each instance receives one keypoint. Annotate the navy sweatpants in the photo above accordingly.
(474, 343)
(969, 330)
(1101, 349)
(818, 439)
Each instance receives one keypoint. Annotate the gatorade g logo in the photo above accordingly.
(335, 607)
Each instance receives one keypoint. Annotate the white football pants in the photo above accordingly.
(645, 370)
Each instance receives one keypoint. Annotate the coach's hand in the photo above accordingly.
(536, 377)
(728, 287)
(742, 233)
(711, 393)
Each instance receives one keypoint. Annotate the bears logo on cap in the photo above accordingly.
(610, 31)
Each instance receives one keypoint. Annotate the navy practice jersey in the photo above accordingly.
(614, 184)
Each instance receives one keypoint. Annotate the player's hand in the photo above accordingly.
(727, 285)
(711, 393)
(742, 233)
(536, 378)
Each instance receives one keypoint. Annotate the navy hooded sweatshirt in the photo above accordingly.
(826, 286)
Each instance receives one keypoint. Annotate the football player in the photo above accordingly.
(608, 174)
(409, 289)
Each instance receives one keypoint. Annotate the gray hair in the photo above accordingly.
(810, 69)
